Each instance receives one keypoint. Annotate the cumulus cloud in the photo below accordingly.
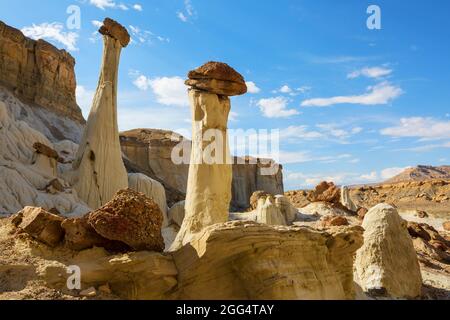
(169, 91)
(380, 94)
(137, 7)
(276, 108)
(374, 72)
(285, 89)
(105, 4)
(52, 32)
(252, 88)
(419, 127)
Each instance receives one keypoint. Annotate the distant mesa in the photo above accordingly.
(422, 173)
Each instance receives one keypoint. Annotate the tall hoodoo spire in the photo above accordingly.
(210, 175)
(99, 169)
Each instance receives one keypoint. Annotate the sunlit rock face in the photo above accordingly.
(99, 167)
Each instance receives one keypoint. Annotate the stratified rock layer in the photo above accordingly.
(387, 265)
(38, 73)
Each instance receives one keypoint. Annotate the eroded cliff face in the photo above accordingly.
(151, 149)
(38, 73)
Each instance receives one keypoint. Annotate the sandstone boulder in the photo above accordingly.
(256, 196)
(45, 150)
(41, 225)
(115, 30)
(361, 213)
(132, 218)
(325, 192)
(287, 209)
(387, 264)
(346, 200)
(218, 78)
(446, 225)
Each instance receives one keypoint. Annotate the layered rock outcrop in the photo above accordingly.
(38, 73)
(151, 151)
(99, 168)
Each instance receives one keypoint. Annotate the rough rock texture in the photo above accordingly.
(218, 78)
(28, 175)
(346, 200)
(38, 73)
(150, 151)
(132, 218)
(41, 225)
(116, 31)
(176, 213)
(387, 264)
(268, 213)
(209, 185)
(432, 196)
(333, 221)
(429, 243)
(79, 235)
(260, 194)
(99, 169)
(446, 225)
(326, 192)
(151, 188)
(253, 261)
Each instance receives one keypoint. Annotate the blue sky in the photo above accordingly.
(353, 105)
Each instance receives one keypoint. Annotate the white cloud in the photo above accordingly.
(233, 116)
(339, 178)
(374, 72)
(140, 36)
(142, 83)
(181, 16)
(303, 89)
(169, 91)
(276, 108)
(84, 99)
(285, 89)
(189, 11)
(104, 4)
(52, 32)
(419, 127)
(137, 7)
(381, 93)
(252, 88)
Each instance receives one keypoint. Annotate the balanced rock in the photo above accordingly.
(387, 263)
(115, 30)
(99, 168)
(132, 218)
(218, 78)
(325, 192)
(41, 225)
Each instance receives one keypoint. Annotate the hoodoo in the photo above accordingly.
(99, 169)
(209, 183)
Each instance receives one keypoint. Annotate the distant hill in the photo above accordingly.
(422, 173)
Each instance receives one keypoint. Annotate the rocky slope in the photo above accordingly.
(422, 173)
(152, 149)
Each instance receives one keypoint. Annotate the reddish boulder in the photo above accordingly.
(132, 218)
(325, 192)
(333, 221)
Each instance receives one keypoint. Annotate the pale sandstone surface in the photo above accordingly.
(346, 200)
(246, 260)
(99, 171)
(209, 185)
(386, 264)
